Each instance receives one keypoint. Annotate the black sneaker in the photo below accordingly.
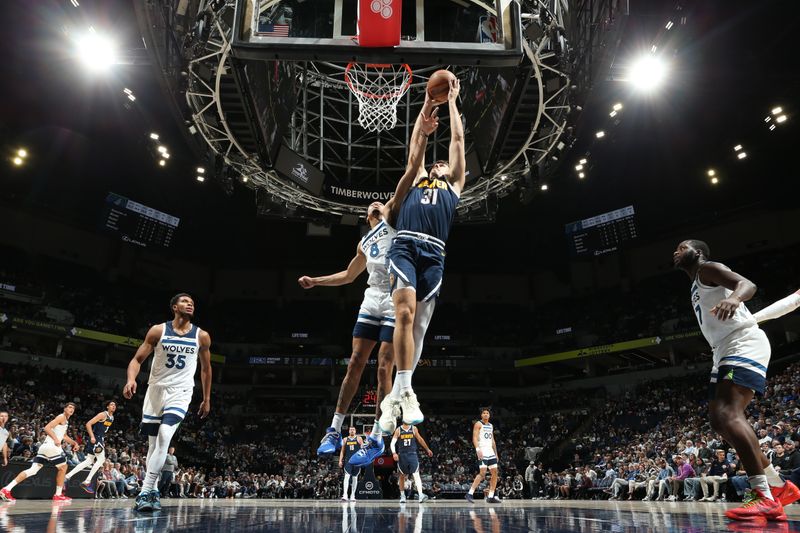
(143, 504)
(493, 499)
(469, 498)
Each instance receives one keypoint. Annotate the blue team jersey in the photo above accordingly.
(350, 447)
(429, 208)
(99, 428)
(406, 442)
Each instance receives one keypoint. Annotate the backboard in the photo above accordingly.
(433, 32)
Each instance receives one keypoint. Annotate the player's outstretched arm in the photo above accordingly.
(784, 306)
(205, 372)
(458, 162)
(422, 442)
(141, 355)
(426, 124)
(743, 289)
(358, 264)
(393, 444)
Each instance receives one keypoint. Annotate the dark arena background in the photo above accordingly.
(222, 148)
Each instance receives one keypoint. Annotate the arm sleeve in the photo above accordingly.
(392, 445)
(778, 309)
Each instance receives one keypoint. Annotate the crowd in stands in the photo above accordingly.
(655, 306)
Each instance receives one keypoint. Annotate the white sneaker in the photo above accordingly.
(353, 498)
(390, 412)
(410, 407)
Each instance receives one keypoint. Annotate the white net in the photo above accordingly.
(378, 88)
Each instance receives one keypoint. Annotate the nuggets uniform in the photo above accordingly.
(171, 382)
(48, 452)
(741, 349)
(485, 441)
(99, 429)
(407, 451)
(350, 448)
(423, 224)
(376, 315)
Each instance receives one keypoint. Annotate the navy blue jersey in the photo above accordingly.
(99, 428)
(406, 442)
(350, 447)
(429, 208)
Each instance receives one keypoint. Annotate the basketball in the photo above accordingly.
(439, 85)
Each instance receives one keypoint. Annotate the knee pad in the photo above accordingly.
(149, 429)
(33, 470)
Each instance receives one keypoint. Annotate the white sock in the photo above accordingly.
(346, 484)
(418, 483)
(157, 455)
(471, 491)
(403, 380)
(491, 494)
(760, 483)
(355, 486)
(98, 463)
(80, 466)
(338, 420)
(376, 430)
(773, 478)
(59, 489)
(11, 485)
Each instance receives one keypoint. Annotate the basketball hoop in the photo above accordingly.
(378, 88)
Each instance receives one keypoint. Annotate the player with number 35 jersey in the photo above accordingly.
(177, 345)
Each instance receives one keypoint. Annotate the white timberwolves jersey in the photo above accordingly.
(485, 441)
(704, 298)
(60, 430)
(375, 245)
(175, 358)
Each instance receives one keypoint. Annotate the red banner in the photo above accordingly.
(379, 22)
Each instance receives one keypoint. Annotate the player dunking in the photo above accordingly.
(96, 451)
(177, 344)
(50, 452)
(741, 356)
(486, 449)
(416, 261)
(426, 123)
(407, 458)
(375, 321)
(350, 445)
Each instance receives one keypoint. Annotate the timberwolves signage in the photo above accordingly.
(351, 195)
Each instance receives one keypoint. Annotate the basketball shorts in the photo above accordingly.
(418, 264)
(408, 463)
(50, 454)
(160, 401)
(350, 469)
(375, 316)
(488, 462)
(742, 357)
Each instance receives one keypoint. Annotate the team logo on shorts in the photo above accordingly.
(729, 375)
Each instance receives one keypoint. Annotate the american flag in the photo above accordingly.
(273, 30)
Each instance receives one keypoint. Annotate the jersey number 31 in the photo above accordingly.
(429, 196)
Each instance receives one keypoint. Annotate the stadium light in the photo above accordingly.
(162, 162)
(737, 148)
(772, 127)
(741, 155)
(201, 170)
(154, 136)
(669, 25)
(17, 161)
(579, 167)
(647, 72)
(714, 180)
(781, 119)
(165, 155)
(600, 134)
(22, 152)
(503, 177)
(162, 149)
(711, 172)
(582, 161)
(612, 114)
(201, 179)
(96, 52)
(544, 187)
(581, 175)
(617, 106)
(244, 179)
(777, 110)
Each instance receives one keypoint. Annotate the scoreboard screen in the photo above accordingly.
(138, 224)
(601, 234)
